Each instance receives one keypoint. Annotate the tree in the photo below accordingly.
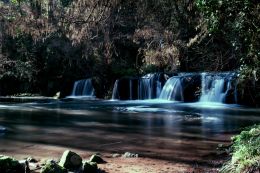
(237, 22)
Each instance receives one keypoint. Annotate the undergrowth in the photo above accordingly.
(245, 152)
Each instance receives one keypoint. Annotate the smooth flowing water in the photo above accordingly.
(204, 87)
(172, 90)
(83, 88)
(158, 129)
(215, 87)
(146, 87)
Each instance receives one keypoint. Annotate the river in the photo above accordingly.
(167, 130)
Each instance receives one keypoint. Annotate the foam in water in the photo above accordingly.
(172, 90)
(214, 87)
(83, 88)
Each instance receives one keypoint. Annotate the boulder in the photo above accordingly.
(89, 167)
(70, 160)
(52, 167)
(10, 165)
(25, 165)
(96, 158)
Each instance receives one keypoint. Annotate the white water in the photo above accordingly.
(158, 88)
(148, 87)
(145, 88)
(83, 88)
(214, 88)
(115, 94)
(172, 90)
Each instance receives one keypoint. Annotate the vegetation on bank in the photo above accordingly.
(245, 152)
(46, 45)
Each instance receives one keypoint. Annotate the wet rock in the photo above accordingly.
(27, 167)
(70, 160)
(34, 166)
(89, 167)
(30, 166)
(10, 165)
(96, 158)
(223, 149)
(52, 167)
(130, 155)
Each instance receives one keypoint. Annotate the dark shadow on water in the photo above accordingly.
(160, 131)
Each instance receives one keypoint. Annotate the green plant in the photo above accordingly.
(245, 152)
(237, 22)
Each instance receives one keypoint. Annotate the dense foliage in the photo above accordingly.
(245, 152)
(46, 45)
(236, 22)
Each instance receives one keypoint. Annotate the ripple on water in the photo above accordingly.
(144, 109)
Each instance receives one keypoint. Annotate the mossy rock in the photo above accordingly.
(10, 165)
(53, 167)
(89, 167)
(70, 160)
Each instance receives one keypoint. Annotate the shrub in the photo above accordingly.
(245, 152)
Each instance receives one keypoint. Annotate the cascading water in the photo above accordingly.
(215, 87)
(83, 88)
(186, 87)
(172, 90)
(146, 87)
(158, 89)
(115, 94)
(150, 86)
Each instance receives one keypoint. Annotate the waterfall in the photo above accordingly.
(186, 87)
(146, 87)
(150, 86)
(158, 89)
(130, 89)
(115, 94)
(172, 90)
(215, 87)
(83, 88)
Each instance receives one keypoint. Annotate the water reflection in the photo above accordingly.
(168, 130)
